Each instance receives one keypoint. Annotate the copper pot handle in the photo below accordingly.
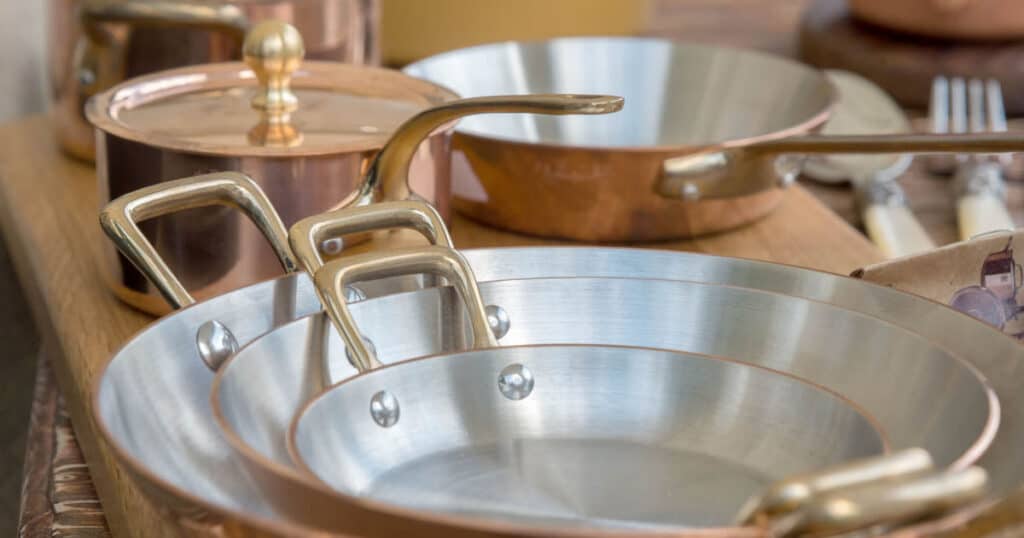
(232, 189)
(333, 278)
(97, 69)
(386, 178)
(224, 17)
(307, 235)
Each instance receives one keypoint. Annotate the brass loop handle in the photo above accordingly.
(793, 493)
(386, 178)
(890, 489)
(334, 276)
(232, 189)
(306, 236)
(888, 504)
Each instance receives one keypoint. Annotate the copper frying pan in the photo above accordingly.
(734, 122)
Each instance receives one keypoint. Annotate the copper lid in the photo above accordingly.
(269, 106)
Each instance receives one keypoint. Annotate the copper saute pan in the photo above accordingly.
(578, 439)
(96, 44)
(600, 179)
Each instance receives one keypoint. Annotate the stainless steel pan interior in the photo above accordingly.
(259, 390)
(172, 445)
(678, 94)
(604, 438)
(544, 460)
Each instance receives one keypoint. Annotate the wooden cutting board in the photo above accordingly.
(904, 65)
(48, 210)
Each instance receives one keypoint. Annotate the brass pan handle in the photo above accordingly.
(792, 493)
(386, 178)
(889, 504)
(232, 189)
(727, 171)
(334, 276)
(306, 236)
(889, 490)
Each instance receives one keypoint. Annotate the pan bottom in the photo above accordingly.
(574, 482)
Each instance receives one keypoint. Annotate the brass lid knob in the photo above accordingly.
(273, 50)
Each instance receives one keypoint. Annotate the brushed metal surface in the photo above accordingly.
(261, 388)
(611, 437)
(162, 428)
(677, 94)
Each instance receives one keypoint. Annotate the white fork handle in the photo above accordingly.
(982, 213)
(895, 231)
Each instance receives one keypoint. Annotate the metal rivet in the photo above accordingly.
(689, 191)
(86, 77)
(369, 346)
(216, 343)
(332, 246)
(354, 294)
(498, 320)
(384, 409)
(788, 168)
(515, 381)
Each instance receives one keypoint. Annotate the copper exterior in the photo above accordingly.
(582, 194)
(215, 250)
(946, 19)
(335, 30)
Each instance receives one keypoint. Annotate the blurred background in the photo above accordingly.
(23, 91)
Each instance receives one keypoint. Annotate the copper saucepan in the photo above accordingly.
(305, 132)
(96, 44)
(600, 179)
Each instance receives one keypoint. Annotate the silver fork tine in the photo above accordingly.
(938, 112)
(997, 115)
(958, 105)
(976, 105)
(938, 107)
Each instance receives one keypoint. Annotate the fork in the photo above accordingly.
(980, 187)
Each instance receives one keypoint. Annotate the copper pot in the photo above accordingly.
(305, 134)
(97, 44)
(948, 19)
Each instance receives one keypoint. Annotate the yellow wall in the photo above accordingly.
(414, 29)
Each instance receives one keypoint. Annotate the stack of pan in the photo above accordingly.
(576, 391)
